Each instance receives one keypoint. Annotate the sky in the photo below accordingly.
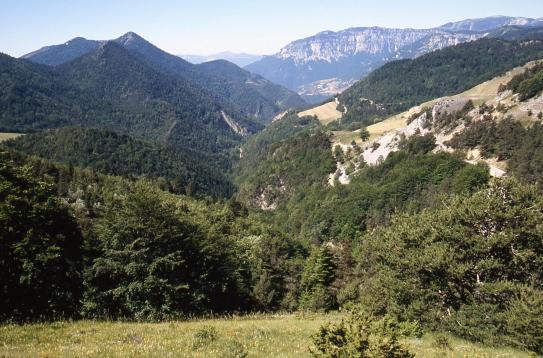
(210, 26)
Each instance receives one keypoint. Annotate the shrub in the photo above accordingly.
(359, 335)
(410, 329)
(206, 333)
(204, 336)
(441, 341)
(419, 144)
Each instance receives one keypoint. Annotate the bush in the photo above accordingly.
(204, 336)
(410, 329)
(359, 335)
(441, 341)
(419, 144)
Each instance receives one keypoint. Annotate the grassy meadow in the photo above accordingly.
(326, 113)
(239, 336)
(6, 136)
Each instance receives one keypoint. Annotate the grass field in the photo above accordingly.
(251, 336)
(326, 113)
(6, 136)
(376, 130)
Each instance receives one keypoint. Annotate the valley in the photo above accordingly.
(368, 192)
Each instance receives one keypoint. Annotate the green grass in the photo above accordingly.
(251, 336)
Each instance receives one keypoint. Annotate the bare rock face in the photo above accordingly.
(309, 65)
(267, 198)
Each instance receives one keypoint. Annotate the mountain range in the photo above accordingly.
(327, 63)
(240, 59)
(261, 99)
(129, 92)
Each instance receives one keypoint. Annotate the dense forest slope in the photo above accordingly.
(115, 154)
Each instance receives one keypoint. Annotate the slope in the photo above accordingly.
(400, 85)
(115, 154)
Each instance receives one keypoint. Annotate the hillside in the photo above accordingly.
(400, 85)
(256, 95)
(496, 122)
(261, 100)
(111, 153)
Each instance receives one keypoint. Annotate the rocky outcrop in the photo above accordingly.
(234, 126)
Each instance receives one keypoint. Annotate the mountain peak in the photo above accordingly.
(129, 38)
(76, 40)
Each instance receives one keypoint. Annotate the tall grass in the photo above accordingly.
(273, 335)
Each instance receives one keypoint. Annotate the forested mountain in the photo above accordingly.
(113, 88)
(256, 95)
(66, 52)
(400, 85)
(115, 154)
(250, 94)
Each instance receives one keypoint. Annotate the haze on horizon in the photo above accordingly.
(207, 27)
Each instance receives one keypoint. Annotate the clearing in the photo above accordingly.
(6, 136)
(326, 113)
(280, 335)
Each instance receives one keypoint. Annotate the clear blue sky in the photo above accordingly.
(209, 26)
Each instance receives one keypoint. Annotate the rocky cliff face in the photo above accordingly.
(309, 64)
(387, 43)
